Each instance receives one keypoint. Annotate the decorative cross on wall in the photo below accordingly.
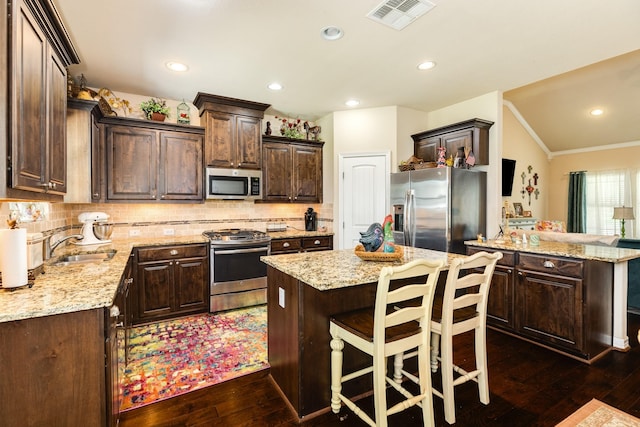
(530, 188)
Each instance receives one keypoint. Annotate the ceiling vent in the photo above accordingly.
(400, 13)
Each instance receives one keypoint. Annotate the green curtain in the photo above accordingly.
(577, 215)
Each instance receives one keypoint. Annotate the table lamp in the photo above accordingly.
(623, 213)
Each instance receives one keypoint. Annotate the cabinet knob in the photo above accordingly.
(239, 164)
(96, 195)
(286, 244)
(177, 262)
(520, 273)
(509, 271)
(316, 242)
(549, 264)
(114, 311)
(52, 185)
(173, 252)
(162, 197)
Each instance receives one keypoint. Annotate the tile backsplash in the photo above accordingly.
(149, 220)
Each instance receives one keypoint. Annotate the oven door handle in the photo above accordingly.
(240, 251)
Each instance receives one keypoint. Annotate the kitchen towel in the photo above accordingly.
(13, 257)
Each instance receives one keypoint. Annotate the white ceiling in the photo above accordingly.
(236, 47)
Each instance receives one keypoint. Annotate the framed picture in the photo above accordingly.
(517, 208)
(526, 214)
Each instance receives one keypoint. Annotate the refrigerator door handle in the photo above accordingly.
(408, 218)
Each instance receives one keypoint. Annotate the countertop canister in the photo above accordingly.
(13, 257)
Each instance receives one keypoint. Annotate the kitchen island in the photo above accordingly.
(304, 290)
(582, 287)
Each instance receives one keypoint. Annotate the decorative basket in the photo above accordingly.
(379, 255)
(426, 165)
(406, 167)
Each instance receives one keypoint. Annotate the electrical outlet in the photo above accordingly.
(168, 232)
(134, 233)
(281, 297)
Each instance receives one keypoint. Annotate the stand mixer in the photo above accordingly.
(89, 219)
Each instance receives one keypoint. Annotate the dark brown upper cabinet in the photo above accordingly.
(291, 170)
(147, 161)
(472, 134)
(36, 80)
(233, 130)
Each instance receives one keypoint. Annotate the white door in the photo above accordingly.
(363, 194)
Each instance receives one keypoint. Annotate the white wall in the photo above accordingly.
(373, 130)
(326, 124)
(519, 145)
(410, 122)
(487, 107)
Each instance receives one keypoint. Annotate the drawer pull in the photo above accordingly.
(317, 242)
(173, 252)
(286, 245)
(549, 264)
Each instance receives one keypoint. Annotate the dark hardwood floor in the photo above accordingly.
(530, 386)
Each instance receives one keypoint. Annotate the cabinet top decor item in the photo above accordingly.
(154, 105)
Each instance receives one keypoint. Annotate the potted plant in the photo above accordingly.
(155, 109)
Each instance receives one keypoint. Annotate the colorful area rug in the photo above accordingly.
(173, 357)
(599, 414)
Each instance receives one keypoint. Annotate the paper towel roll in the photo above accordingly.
(13, 257)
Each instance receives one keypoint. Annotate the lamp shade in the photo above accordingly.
(623, 213)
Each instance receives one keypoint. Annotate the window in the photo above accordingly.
(606, 190)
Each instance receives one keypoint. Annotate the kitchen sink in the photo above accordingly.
(84, 258)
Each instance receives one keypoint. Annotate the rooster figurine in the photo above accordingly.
(389, 245)
(372, 238)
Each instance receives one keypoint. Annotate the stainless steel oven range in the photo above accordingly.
(238, 277)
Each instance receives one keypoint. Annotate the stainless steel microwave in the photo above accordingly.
(233, 184)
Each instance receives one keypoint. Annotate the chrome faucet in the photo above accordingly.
(49, 248)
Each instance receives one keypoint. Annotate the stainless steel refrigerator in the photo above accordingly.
(439, 208)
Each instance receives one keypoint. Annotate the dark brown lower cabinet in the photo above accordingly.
(53, 370)
(301, 244)
(171, 281)
(562, 303)
(500, 306)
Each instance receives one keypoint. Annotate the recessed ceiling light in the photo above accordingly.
(176, 66)
(275, 86)
(352, 103)
(596, 112)
(427, 65)
(331, 33)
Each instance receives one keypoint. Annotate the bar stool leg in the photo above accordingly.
(336, 373)
(398, 363)
(435, 350)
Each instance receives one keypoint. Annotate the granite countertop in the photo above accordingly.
(326, 270)
(571, 250)
(292, 233)
(66, 289)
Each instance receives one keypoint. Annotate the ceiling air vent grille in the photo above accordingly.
(400, 13)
